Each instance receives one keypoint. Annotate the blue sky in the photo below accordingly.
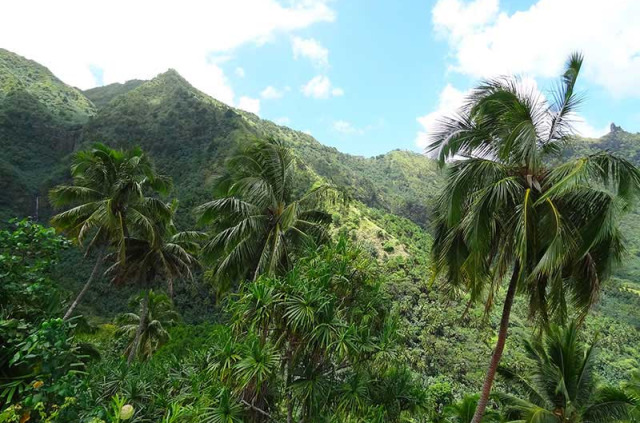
(365, 76)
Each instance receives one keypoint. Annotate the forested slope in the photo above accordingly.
(189, 135)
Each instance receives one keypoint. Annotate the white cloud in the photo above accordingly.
(486, 42)
(347, 128)
(240, 72)
(152, 36)
(320, 87)
(583, 128)
(456, 19)
(271, 93)
(307, 131)
(249, 104)
(449, 101)
(310, 49)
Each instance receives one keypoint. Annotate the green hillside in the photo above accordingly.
(190, 135)
(40, 122)
(100, 96)
(62, 101)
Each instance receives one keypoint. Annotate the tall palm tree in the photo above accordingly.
(108, 201)
(164, 253)
(257, 221)
(509, 209)
(561, 387)
(157, 316)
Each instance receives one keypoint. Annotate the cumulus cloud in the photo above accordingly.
(449, 101)
(310, 49)
(249, 104)
(583, 128)
(150, 36)
(321, 87)
(486, 41)
(271, 93)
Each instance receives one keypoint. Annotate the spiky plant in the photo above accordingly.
(155, 317)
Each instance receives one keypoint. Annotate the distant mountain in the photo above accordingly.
(189, 134)
(40, 121)
(65, 103)
(100, 96)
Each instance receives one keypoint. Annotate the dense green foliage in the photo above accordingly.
(561, 386)
(355, 330)
(101, 96)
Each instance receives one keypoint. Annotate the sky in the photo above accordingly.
(364, 76)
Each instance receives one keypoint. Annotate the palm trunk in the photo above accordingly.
(86, 286)
(497, 353)
(170, 287)
(287, 378)
(143, 322)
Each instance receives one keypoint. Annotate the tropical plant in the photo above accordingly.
(108, 202)
(154, 318)
(562, 385)
(257, 221)
(163, 253)
(463, 411)
(632, 389)
(318, 341)
(510, 207)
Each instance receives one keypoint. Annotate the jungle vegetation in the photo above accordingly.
(189, 262)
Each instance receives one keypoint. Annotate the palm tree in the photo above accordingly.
(165, 253)
(257, 221)
(632, 389)
(561, 387)
(156, 317)
(108, 201)
(506, 209)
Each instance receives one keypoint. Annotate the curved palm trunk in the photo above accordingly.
(497, 353)
(143, 322)
(86, 286)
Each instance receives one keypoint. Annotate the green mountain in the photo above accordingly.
(41, 119)
(65, 103)
(100, 96)
(189, 135)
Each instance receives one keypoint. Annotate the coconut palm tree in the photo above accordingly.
(256, 219)
(166, 253)
(156, 316)
(561, 387)
(511, 207)
(108, 201)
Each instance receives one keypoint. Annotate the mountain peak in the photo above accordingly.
(19, 74)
